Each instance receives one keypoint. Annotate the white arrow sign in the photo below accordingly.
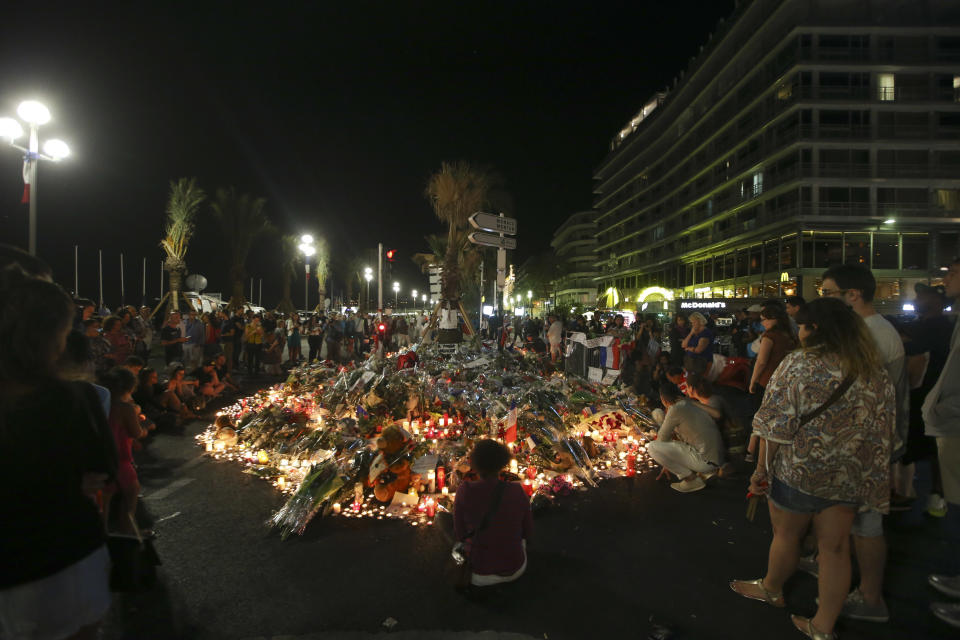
(490, 222)
(490, 240)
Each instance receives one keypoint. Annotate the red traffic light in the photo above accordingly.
(391, 253)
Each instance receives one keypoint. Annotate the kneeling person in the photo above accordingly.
(688, 442)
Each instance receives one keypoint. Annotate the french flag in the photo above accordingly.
(26, 178)
(610, 355)
(510, 434)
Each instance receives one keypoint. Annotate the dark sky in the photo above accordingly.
(336, 113)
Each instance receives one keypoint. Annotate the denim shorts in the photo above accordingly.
(786, 498)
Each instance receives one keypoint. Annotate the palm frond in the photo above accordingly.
(182, 204)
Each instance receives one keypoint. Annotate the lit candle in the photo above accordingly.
(263, 457)
(431, 481)
(281, 482)
(284, 463)
(528, 487)
(431, 508)
(445, 491)
(513, 466)
(336, 507)
(209, 446)
(220, 446)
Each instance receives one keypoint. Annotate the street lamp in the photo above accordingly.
(368, 276)
(414, 298)
(396, 295)
(35, 115)
(307, 249)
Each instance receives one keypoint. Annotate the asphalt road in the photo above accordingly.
(608, 563)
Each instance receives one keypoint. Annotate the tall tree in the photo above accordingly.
(242, 220)
(456, 191)
(322, 268)
(182, 204)
(290, 257)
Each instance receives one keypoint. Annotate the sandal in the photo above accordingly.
(805, 626)
(771, 598)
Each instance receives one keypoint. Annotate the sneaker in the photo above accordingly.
(710, 474)
(936, 505)
(688, 486)
(948, 585)
(808, 564)
(856, 608)
(949, 612)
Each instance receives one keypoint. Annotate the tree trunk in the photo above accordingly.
(237, 299)
(286, 303)
(177, 270)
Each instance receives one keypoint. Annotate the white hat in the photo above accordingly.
(754, 308)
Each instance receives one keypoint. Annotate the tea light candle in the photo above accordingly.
(263, 457)
(337, 508)
(281, 482)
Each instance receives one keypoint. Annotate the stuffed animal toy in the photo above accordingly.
(390, 470)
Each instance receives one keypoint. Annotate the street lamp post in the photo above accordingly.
(396, 295)
(368, 276)
(307, 249)
(414, 299)
(35, 115)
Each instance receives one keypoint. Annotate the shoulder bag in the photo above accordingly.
(463, 568)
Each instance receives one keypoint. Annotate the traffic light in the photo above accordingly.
(391, 254)
(381, 328)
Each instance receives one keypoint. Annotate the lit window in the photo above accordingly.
(956, 88)
(885, 86)
(758, 183)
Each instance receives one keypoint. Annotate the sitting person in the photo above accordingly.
(222, 370)
(497, 552)
(148, 396)
(208, 385)
(688, 443)
(180, 394)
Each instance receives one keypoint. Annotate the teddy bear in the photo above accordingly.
(390, 470)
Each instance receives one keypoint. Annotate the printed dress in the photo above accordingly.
(844, 453)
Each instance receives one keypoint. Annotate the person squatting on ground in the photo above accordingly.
(53, 558)
(688, 443)
(827, 429)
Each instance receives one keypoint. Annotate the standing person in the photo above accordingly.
(688, 443)
(172, 339)
(492, 518)
(554, 337)
(54, 565)
(776, 341)
(678, 332)
(195, 332)
(294, 342)
(211, 339)
(827, 428)
(698, 345)
(124, 421)
(941, 415)
(228, 330)
(253, 337)
(856, 286)
(314, 338)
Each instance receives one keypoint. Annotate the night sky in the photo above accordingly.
(336, 113)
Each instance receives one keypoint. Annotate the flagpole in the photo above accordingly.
(123, 299)
(100, 269)
(260, 301)
(31, 190)
(144, 295)
(76, 277)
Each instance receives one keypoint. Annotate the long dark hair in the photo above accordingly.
(779, 313)
(837, 329)
(34, 312)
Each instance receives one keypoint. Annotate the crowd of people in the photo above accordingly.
(850, 415)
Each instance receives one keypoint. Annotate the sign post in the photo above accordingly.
(499, 227)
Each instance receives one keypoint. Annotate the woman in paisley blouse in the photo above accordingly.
(827, 428)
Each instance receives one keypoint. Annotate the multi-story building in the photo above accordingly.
(574, 243)
(805, 134)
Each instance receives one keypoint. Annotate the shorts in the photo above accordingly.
(786, 498)
(868, 524)
(59, 605)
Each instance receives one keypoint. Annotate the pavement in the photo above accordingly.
(620, 561)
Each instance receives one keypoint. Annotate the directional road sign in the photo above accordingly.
(497, 224)
(491, 240)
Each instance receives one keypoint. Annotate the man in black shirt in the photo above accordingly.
(171, 339)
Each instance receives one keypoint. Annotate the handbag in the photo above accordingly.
(463, 568)
(134, 561)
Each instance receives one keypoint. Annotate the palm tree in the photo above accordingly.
(289, 265)
(182, 204)
(242, 221)
(322, 269)
(456, 191)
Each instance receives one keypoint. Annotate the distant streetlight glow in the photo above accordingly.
(306, 238)
(34, 114)
(889, 221)
(307, 249)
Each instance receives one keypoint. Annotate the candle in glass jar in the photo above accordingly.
(528, 487)
(431, 481)
(445, 491)
(431, 507)
(513, 466)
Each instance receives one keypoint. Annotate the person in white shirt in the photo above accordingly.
(856, 286)
(554, 337)
(688, 443)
